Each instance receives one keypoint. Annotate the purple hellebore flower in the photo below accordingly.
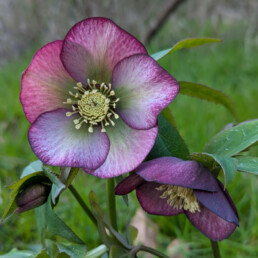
(171, 186)
(93, 99)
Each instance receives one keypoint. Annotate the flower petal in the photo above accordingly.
(56, 142)
(228, 198)
(149, 198)
(218, 203)
(128, 184)
(211, 225)
(174, 171)
(128, 148)
(144, 89)
(45, 83)
(94, 46)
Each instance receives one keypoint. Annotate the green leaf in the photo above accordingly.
(131, 234)
(232, 141)
(227, 164)
(118, 251)
(203, 158)
(34, 166)
(102, 224)
(57, 186)
(14, 253)
(73, 250)
(168, 142)
(68, 174)
(47, 219)
(42, 254)
(97, 252)
(166, 112)
(247, 164)
(185, 43)
(203, 92)
(18, 186)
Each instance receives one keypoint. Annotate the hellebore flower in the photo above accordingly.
(171, 186)
(32, 197)
(93, 99)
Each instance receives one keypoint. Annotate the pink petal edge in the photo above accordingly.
(45, 83)
(56, 142)
(93, 46)
(144, 89)
(128, 148)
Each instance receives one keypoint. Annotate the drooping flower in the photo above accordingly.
(170, 186)
(93, 99)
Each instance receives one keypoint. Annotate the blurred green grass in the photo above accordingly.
(225, 66)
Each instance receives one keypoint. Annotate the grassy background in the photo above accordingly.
(227, 66)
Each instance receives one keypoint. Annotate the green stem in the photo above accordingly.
(215, 249)
(111, 202)
(148, 250)
(83, 204)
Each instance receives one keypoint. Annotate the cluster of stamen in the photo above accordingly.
(180, 197)
(95, 103)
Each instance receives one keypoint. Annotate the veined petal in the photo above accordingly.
(128, 148)
(175, 171)
(56, 142)
(218, 203)
(128, 184)
(45, 83)
(94, 46)
(210, 224)
(149, 198)
(144, 89)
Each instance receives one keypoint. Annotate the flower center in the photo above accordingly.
(180, 197)
(95, 104)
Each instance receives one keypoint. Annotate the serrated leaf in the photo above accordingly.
(227, 164)
(185, 43)
(34, 166)
(57, 186)
(168, 142)
(47, 219)
(247, 164)
(97, 252)
(18, 186)
(131, 234)
(203, 92)
(234, 140)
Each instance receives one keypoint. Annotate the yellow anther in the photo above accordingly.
(90, 129)
(93, 104)
(78, 126)
(180, 197)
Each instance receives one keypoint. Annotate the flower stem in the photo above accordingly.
(148, 250)
(215, 249)
(111, 202)
(83, 204)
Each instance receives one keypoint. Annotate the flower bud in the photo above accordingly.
(32, 197)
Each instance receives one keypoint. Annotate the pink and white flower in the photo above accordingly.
(93, 99)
